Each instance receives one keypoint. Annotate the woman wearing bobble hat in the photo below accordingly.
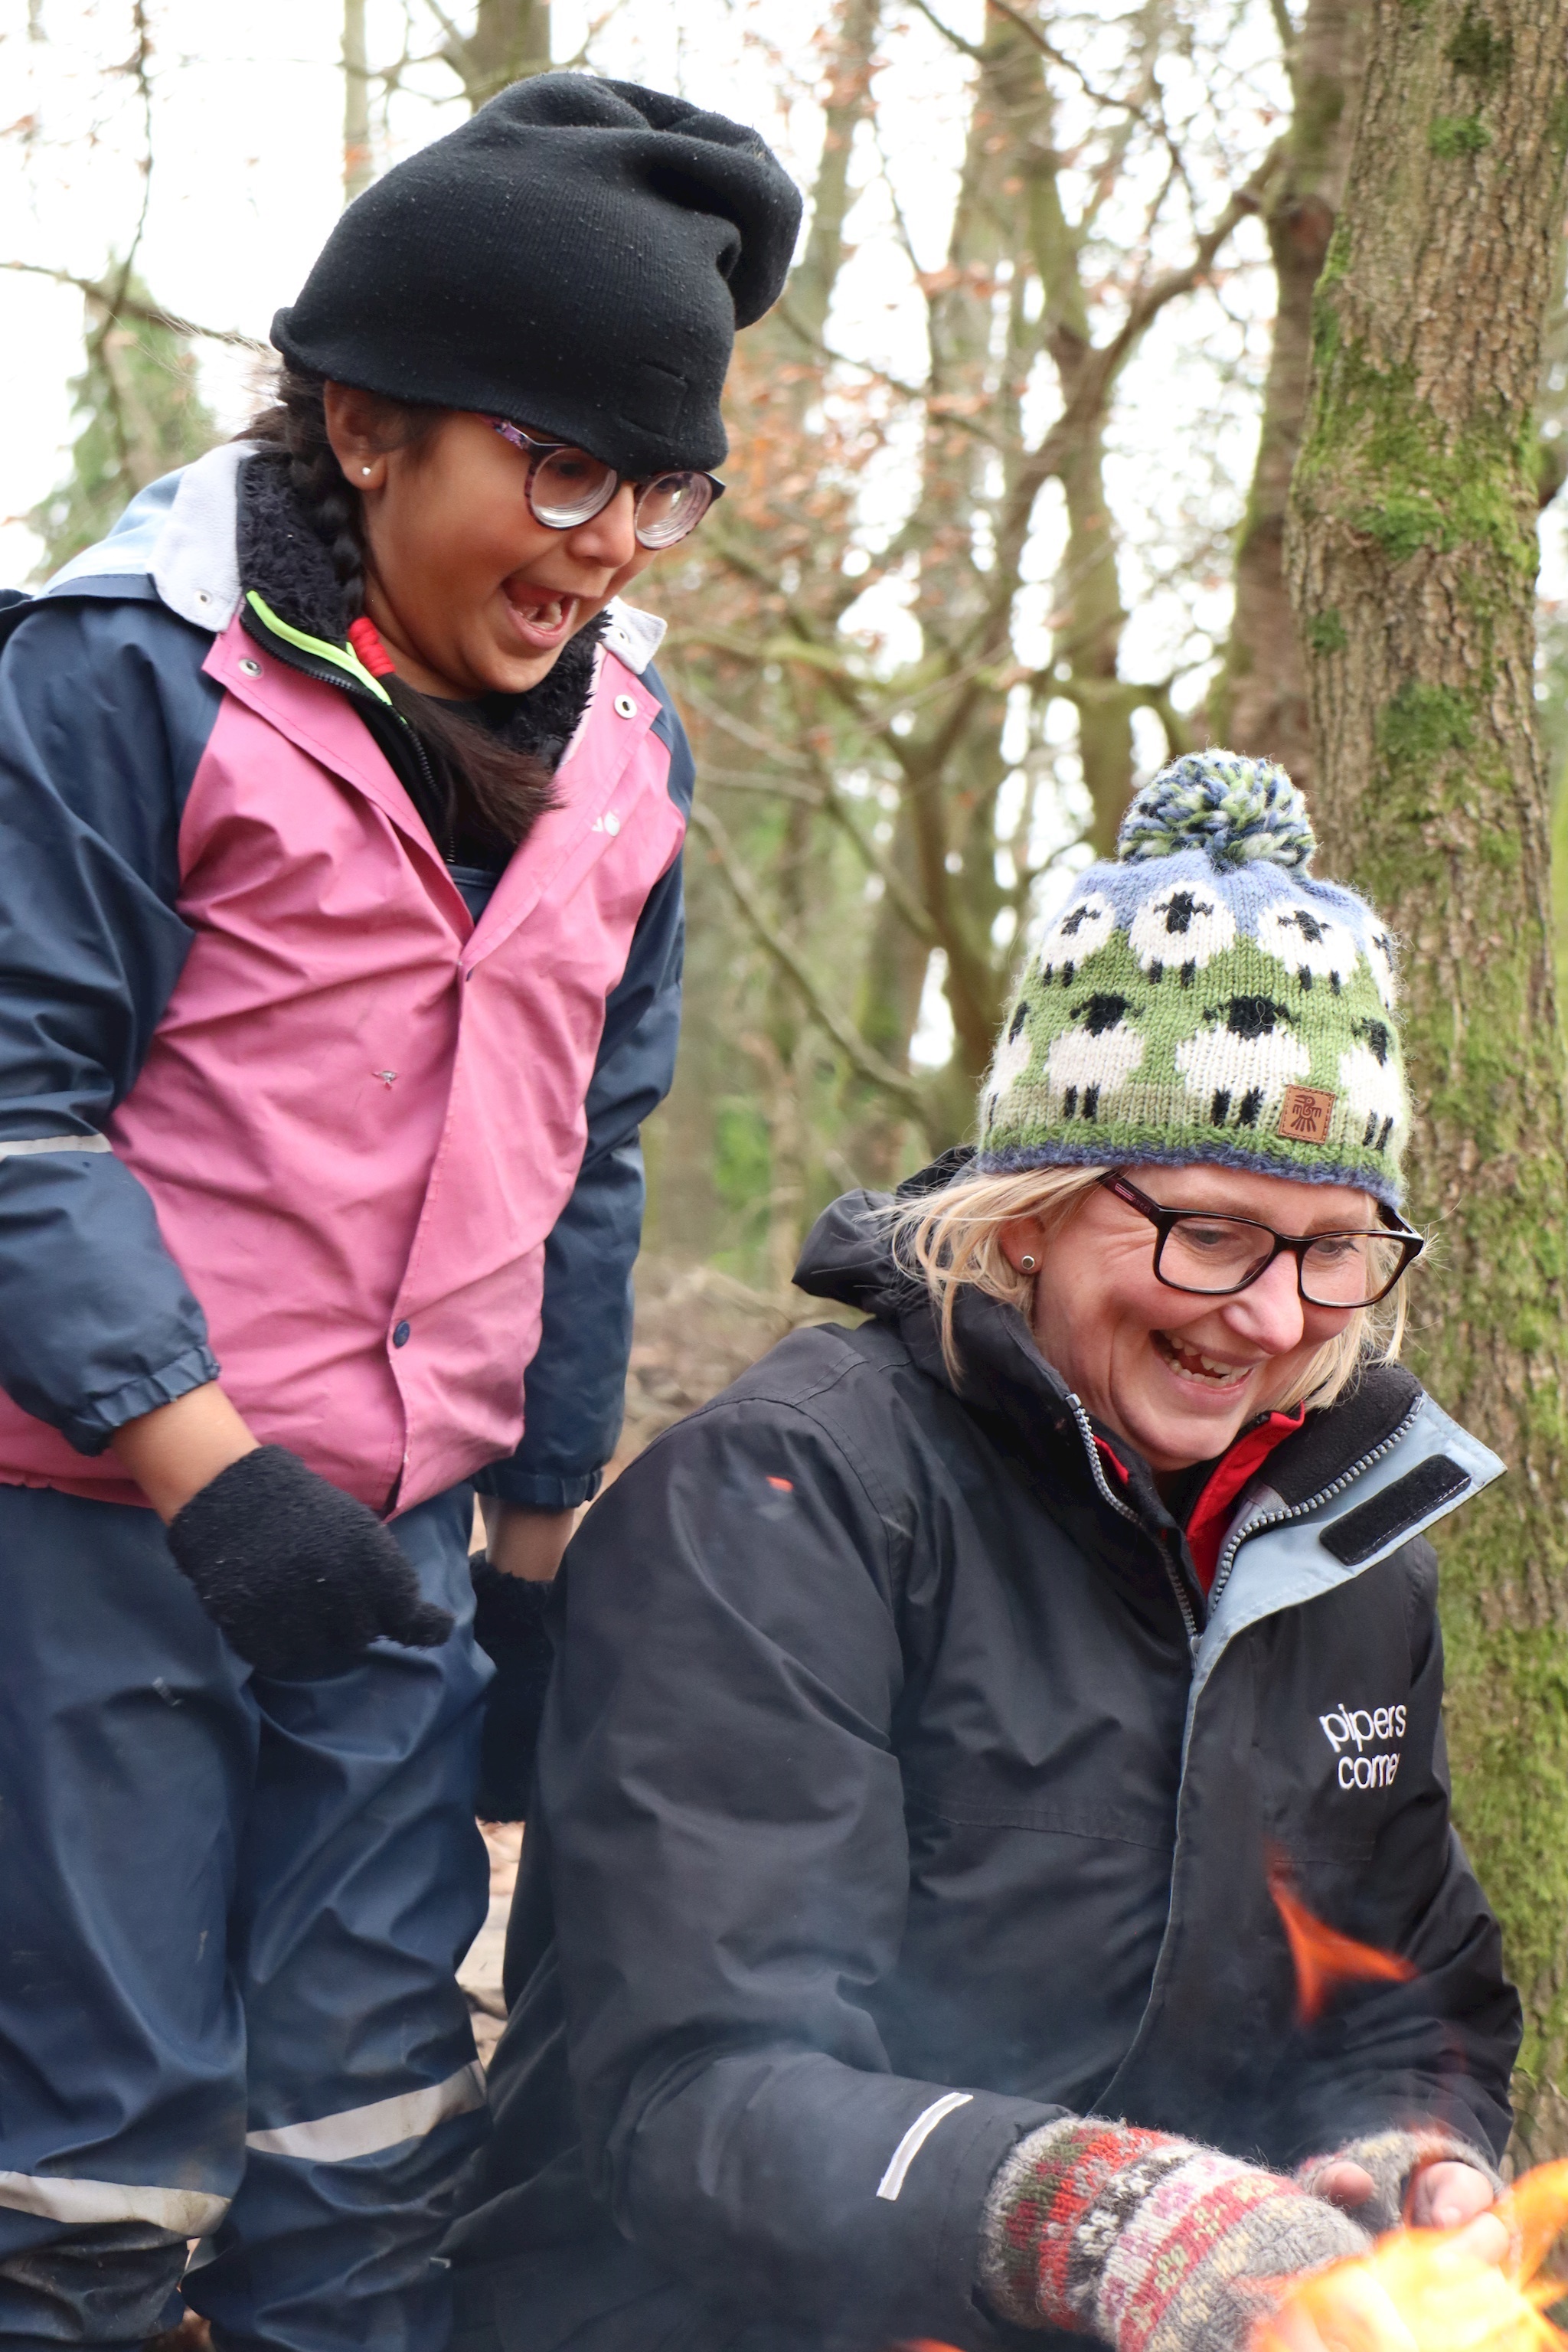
(895, 1952)
(341, 813)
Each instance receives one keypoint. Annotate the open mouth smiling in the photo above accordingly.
(1194, 1365)
(541, 615)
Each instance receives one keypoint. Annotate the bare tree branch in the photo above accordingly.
(1285, 28)
(1032, 32)
(1096, 377)
(862, 1060)
(98, 355)
(966, 49)
(146, 314)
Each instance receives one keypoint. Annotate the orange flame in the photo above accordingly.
(1324, 1957)
(1427, 2290)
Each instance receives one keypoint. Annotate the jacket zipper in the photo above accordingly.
(1279, 1519)
(325, 675)
(1188, 1618)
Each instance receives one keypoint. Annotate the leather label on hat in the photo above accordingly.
(1304, 1114)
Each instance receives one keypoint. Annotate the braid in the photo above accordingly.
(485, 787)
(317, 480)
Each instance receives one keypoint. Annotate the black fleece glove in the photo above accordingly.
(296, 1575)
(509, 1626)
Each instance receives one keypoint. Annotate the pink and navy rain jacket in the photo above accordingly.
(274, 1104)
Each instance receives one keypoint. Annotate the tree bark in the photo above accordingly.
(1259, 701)
(851, 62)
(510, 41)
(359, 168)
(1412, 557)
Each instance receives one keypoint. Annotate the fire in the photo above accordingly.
(1428, 2291)
(1324, 1957)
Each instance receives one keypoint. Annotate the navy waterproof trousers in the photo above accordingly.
(232, 1910)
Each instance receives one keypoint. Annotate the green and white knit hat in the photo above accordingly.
(1203, 998)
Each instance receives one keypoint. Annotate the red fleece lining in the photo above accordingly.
(1108, 1456)
(1210, 1514)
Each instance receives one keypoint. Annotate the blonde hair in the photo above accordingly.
(953, 1238)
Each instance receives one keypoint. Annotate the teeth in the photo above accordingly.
(1190, 1358)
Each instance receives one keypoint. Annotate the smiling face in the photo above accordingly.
(469, 593)
(1179, 1376)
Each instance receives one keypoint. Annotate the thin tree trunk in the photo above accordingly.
(510, 41)
(1412, 557)
(805, 305)
(1259, 702)
(359, 168)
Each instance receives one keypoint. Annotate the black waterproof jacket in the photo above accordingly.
(898, 1791)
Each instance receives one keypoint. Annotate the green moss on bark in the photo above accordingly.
(1477, 50)
(1429, 487)
(1458, 134)
(1421, 724)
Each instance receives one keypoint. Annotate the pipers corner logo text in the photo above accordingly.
(1357, 1729)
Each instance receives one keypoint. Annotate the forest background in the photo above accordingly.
(1010, 522)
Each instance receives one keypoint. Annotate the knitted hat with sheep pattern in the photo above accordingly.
(1204, 997)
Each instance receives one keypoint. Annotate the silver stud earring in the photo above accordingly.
(365, 469)
(1027, 1264)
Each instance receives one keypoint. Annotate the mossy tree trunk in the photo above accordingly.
(1259, 701)
(1412, 557)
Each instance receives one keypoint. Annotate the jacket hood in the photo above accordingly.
(849, 1256)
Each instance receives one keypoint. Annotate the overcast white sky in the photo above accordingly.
(248, 146)
(246, 186)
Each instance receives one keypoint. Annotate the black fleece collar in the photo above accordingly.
(283, 560)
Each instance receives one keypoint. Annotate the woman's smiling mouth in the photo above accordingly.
(1194, 1365)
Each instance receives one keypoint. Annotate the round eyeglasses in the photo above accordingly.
(1216, 1256)
(567, 488)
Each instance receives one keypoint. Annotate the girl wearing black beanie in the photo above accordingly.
(341, 809)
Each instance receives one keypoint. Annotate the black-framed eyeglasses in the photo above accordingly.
(567, 488)
(1216, 1256)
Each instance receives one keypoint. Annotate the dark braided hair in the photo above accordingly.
(487, 792)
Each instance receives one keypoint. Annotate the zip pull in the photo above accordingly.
(366, 640)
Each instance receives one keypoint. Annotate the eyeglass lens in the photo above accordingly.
(569, 487)
(1215, 1254)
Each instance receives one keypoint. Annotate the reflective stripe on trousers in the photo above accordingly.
(234, 1912)
(385, 2123)
(191, 2214)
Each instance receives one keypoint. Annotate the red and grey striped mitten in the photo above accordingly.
(1391, 2157)
(1149, 2242)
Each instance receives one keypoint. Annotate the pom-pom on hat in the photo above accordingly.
(576, 258)
(1204, 997)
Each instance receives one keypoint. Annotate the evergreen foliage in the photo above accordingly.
(142, 413)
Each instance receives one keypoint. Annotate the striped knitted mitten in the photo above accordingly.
(1391, 2158)
(1148, 2242)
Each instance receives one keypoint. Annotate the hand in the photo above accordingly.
(1442, 2196)
(298, 1577)
(1350, 2308)
(520, 1542)
(1447, 2195)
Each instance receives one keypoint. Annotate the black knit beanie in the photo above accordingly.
(576, 258)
